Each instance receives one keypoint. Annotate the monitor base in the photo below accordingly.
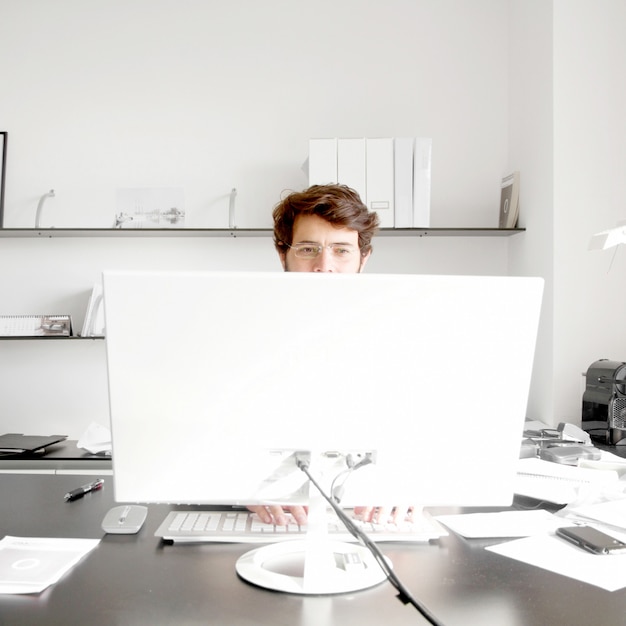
(311, 567)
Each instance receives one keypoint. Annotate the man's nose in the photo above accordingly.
(324, 261)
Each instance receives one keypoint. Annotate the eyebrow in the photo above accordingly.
(332, 243)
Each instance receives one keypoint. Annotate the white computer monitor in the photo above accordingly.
(217, 378)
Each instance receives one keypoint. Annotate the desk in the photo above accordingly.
(64, 457)
(136, 580)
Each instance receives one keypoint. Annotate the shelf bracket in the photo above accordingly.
(232, 223)
(40, 204)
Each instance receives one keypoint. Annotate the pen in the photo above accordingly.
(75, 494)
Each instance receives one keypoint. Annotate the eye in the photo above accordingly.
(308, 250)
(342, 252)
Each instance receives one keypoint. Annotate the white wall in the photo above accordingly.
(589, 190)
(212, 95)
(567, 135)
(531, 151)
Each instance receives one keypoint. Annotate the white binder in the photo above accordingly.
(380, 180)
(421, 182)
(403, 181)
(351, 165)
(322, 161)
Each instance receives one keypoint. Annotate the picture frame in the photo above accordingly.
(509, 201)
(3, 164)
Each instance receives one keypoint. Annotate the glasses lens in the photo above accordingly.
(342, 252)
(306, 251)
(310, 251)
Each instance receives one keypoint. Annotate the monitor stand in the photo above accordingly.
(315, 565)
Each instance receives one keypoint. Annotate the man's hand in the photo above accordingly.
(382, 515)
(275, 514)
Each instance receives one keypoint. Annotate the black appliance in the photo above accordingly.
(604, 402)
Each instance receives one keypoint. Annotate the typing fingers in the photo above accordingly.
(275, 514)
(383, 515)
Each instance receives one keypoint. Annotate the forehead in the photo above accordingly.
(314, 228)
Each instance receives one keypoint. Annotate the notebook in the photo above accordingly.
(15, 443)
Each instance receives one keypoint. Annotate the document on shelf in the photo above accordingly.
(93, 324)
(561, 484)
(35, 325)
(30, 564)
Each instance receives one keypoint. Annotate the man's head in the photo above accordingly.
(325, 228)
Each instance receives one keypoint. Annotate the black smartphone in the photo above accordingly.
(592, 540)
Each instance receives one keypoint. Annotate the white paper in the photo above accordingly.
(608, 461)
(561, 484)
(612, 512)
(554, 554)
(501, 524)
(96, 439)
(93, 324)
(30, 564)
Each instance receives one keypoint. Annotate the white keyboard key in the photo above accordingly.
(177, 522)
(189, 522)
(229, 522)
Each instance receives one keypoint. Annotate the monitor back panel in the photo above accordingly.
(214, 375)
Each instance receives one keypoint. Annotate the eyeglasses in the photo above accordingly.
(340, 251)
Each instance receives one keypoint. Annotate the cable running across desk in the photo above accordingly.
(404, 595)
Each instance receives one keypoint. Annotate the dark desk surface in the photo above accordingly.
(65, 455)
(619, 450)
(134, 579)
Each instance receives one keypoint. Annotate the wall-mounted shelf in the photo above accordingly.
(47, 233)
(49, 338)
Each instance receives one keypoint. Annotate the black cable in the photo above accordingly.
(404, 595)
(337, 491)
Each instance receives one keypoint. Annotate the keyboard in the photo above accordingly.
(234, 526)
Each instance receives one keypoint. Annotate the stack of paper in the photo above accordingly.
(561, 484)
(30, 564)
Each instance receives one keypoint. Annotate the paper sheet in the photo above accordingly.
(30, 564)
(558, 483)
(96, 439)
(501, 524)
(612, 512)
(608, 461)
(554, 554)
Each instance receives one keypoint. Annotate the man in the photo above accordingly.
(325, 228)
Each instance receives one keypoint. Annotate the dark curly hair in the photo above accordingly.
(337, 204)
